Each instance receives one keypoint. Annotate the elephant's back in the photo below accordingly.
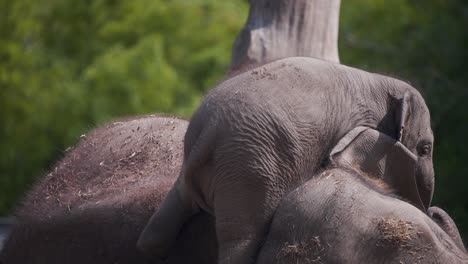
(279, 83)
(299, 103)
(295, 78)
(303, 93)
(125, 160)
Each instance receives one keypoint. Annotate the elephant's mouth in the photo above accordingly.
(415, 196)
(423, 194)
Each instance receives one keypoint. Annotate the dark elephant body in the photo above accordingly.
(260, 134)
(93, 205)
(341, 217)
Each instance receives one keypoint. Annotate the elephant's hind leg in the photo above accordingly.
(160, 233)
(243, 214)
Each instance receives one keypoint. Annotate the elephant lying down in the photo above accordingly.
(94, 203)
(339, 217)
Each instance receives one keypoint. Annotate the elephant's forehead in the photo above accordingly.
(427, 131)
(422, 126)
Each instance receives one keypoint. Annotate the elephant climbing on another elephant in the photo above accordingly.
(102, 232)
(262, 133)
(350, 213)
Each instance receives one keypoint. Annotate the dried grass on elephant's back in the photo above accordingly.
(120, 162)
(395, 232)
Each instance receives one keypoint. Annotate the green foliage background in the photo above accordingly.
(67, 66)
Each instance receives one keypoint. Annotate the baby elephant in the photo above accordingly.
(262, 133)
(350, 213)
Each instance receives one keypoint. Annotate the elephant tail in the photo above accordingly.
(198, 155)
(181, 203)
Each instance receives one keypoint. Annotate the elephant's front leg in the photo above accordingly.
(243, 213)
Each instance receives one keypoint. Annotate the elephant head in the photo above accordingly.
(412, 127)
(379, 156)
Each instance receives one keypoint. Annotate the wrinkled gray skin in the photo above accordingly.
(107, 233)
(260, 134)
(95, 201)
(348, 214)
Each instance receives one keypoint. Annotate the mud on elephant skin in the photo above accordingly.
(262, 133)
(93, 205)
(351, 214)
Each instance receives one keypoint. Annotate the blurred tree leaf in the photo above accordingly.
(68, 65)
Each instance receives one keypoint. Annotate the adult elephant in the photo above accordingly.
(94, 203)
(260, 134)
(349, 214)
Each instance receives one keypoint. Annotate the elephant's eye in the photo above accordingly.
(424, 150)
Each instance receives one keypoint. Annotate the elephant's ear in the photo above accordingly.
(402, 114)
(377, 156)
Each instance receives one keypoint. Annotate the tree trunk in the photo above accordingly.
(285, 28)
